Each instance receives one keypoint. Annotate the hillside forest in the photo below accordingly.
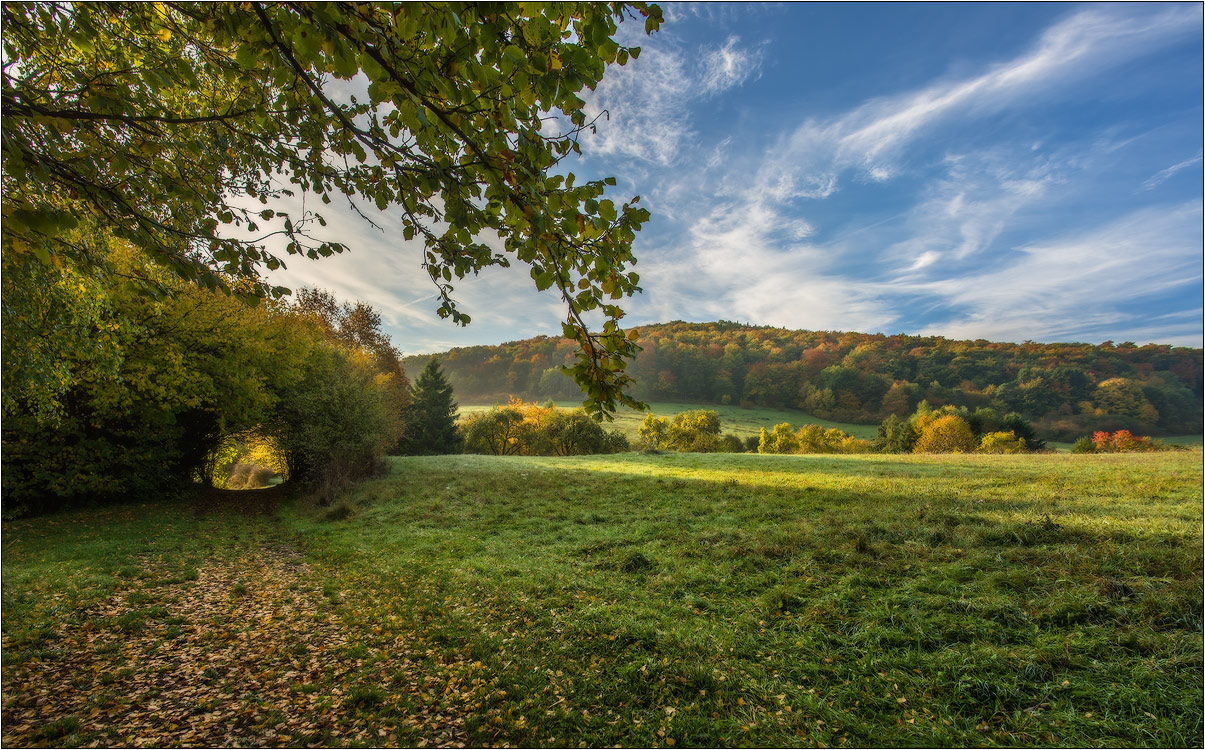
(1066, 390)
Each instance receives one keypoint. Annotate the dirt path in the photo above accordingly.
(250, 653)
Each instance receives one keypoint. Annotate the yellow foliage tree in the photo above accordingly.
(946, 434)
(1001, 442)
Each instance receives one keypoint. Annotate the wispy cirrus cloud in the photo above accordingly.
(751, 246)
(1080, 286)
(1164, 175)
(971, 202)
(647, 103)
(868, 139)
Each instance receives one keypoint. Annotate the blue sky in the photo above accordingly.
(1007, 172)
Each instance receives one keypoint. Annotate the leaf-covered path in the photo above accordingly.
(250, 650)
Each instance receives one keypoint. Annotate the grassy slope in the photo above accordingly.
(736, 419)
(784, 600)
(637, 600)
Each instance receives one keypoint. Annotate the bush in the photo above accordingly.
(333, 426)
(810, 438)
(730, 443)
(895, 436)
(946, 434)
(696, 431)
(1123, 441)
(1001, 442)
(532, 430)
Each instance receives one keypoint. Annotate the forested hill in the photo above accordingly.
(1068, 389)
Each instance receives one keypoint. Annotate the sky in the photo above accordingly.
(1006, 172)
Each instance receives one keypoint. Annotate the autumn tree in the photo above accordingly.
(948, 433)
(430, 419)
(654, 432)
(780, 439)
(189, 129)
(529, 429)
(121, 395)
(1001, 442)
(694, 431)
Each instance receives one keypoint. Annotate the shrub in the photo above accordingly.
(811, 438)
(532, 430)
(780, 439)
(1001, 442)
(653, 432)
(730, 443)
(946, 434)
(695, 431)
(895, 436)
(334, 425)
(1123, 441)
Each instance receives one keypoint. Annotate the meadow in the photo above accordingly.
(637, 600)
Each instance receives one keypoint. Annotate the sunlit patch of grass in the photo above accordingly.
(780, 600)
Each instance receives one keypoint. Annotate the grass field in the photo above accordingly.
(689, 600)
(735, 419)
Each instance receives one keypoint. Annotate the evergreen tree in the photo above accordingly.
(431, 416)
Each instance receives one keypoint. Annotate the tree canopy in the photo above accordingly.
(855, 377)
(191, 131)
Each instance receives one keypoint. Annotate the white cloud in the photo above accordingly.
(1079, 286)
(962, 213)
(727, 67)
(1164, 175)
(869, 138)
(648, 101)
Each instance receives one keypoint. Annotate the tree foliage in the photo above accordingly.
(141, 405)
(528, 429)
(190, 129)
(810, 438)
(1001, 442)
(948, 433)
(121, 395)
(956, 429)
(864, 378)
(1121, 441)
(693, 431)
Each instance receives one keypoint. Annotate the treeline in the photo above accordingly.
(529, 429)
(948, 429)
(129, 382)
(1067, 390)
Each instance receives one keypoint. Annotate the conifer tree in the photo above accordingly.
(431, 416)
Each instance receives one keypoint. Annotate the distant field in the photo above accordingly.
(661, 600)
(736, 419)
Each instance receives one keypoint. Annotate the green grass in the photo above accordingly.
(58, 567)
(791, 600)
(693, 600)
(742, 421)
